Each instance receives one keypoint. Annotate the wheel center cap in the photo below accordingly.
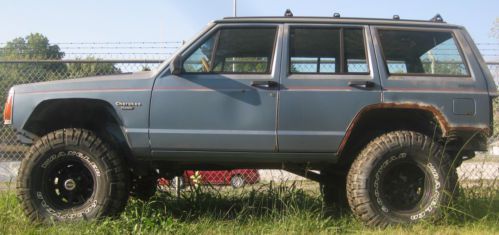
(69, 184)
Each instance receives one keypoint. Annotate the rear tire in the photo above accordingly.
(71, 174)
(400, 177)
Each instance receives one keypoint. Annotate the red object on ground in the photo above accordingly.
(228, 177)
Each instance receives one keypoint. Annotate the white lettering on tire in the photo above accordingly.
(81, 156)
(434, 200)
(59, 215)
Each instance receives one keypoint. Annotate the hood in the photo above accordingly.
(117, 81)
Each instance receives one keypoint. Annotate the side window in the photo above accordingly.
(314, 50)
(355, 51)
(234, 50)
(318, 50)
(245, 50)
(422, 53)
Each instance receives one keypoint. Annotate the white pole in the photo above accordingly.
(235, 8)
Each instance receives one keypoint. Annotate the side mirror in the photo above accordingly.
(176, 65)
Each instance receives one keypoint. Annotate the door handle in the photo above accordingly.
(362, 84)
(265, 84)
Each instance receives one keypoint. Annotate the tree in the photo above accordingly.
(91, 69)
(32, 47)
(495, 29)
(495, 33)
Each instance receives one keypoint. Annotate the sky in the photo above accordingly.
(173, 20)
(177, 20)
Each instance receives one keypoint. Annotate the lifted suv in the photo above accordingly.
(384, 109)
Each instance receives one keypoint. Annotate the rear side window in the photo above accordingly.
(327, 51)
(411, 52)
(234, 50)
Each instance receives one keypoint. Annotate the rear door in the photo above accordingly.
(225, 99)
(327, 78)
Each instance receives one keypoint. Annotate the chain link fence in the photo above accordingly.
(91, 59)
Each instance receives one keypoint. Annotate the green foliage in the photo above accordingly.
(91, 69)
(244, 65)
(270, 209)
(494, 32)
(495, 109)
(445, 68)
(42, 63)
(32, 47)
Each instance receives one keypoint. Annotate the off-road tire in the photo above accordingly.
(67, 148)
(143, 188)
(391, 153)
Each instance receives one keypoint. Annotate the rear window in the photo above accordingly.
(411, 52)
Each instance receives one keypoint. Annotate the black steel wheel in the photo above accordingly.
(403, 185)
(70, 183)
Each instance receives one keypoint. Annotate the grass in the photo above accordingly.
(269, 209)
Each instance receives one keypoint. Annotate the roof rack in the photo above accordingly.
(289, 14)
(437, 19)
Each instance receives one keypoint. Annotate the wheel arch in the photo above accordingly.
(365, 126)
(95, 115)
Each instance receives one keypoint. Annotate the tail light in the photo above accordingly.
(7, 111)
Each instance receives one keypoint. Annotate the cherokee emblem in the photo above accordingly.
(128, 105)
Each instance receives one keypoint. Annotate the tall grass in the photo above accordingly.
(269, 209)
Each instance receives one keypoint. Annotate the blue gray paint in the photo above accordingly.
(224, 113)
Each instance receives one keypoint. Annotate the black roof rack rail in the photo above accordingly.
(437, 19)
(289, 14)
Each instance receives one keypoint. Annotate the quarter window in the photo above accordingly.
(422, 53)
(319, 50)
(237, 50)
(200, 60)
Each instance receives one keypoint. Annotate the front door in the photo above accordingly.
(327, 80)
(225, 98)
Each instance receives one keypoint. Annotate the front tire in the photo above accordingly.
(400, 177)
(71, 174)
